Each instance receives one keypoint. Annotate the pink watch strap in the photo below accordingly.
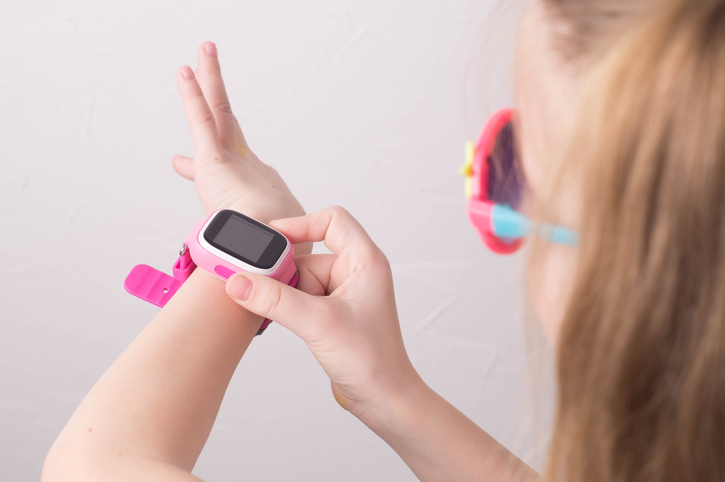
(267, 321)
(157, 288)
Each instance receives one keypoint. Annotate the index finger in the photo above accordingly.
(200, 118)
(334, 225)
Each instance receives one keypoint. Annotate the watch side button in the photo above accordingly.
(223, 271)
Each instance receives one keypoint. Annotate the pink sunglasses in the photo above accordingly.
(496, 187)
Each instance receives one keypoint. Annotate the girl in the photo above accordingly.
(621, 135)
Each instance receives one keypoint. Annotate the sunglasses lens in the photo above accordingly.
(505, 178)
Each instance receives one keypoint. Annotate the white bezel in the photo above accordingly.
(234, 261)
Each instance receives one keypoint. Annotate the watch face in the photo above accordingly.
(246, 239)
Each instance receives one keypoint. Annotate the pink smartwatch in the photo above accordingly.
(223, 244)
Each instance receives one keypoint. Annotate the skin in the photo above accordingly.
(545, 91)
(178, 368)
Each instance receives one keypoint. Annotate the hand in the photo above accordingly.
(226, 172)
(344, 309)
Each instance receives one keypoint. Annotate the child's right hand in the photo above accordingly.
(343, 308)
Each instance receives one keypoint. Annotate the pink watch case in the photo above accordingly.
(157, 288)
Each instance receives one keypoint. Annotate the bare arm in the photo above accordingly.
(150, 414)
(438, 442)
(153, 409)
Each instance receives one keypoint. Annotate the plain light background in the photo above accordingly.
(366, 104)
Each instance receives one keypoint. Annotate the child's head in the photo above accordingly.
(622, 135)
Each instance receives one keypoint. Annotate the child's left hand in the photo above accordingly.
(226, 172)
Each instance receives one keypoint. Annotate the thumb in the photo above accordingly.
(184, 166)
(267, 297)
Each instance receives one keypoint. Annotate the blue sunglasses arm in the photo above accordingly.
(509, 224)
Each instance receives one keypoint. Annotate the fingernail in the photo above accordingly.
(240, 287)
(211, 49)
(187, 73)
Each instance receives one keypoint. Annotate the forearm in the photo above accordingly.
(438, 442)
(160, 398)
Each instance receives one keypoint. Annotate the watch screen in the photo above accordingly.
(245, 239)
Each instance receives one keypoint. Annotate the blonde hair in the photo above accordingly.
(641, 351)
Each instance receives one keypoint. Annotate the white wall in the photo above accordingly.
(366, 104)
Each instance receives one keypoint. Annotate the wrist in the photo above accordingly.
(393, 409)
(204, 295)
